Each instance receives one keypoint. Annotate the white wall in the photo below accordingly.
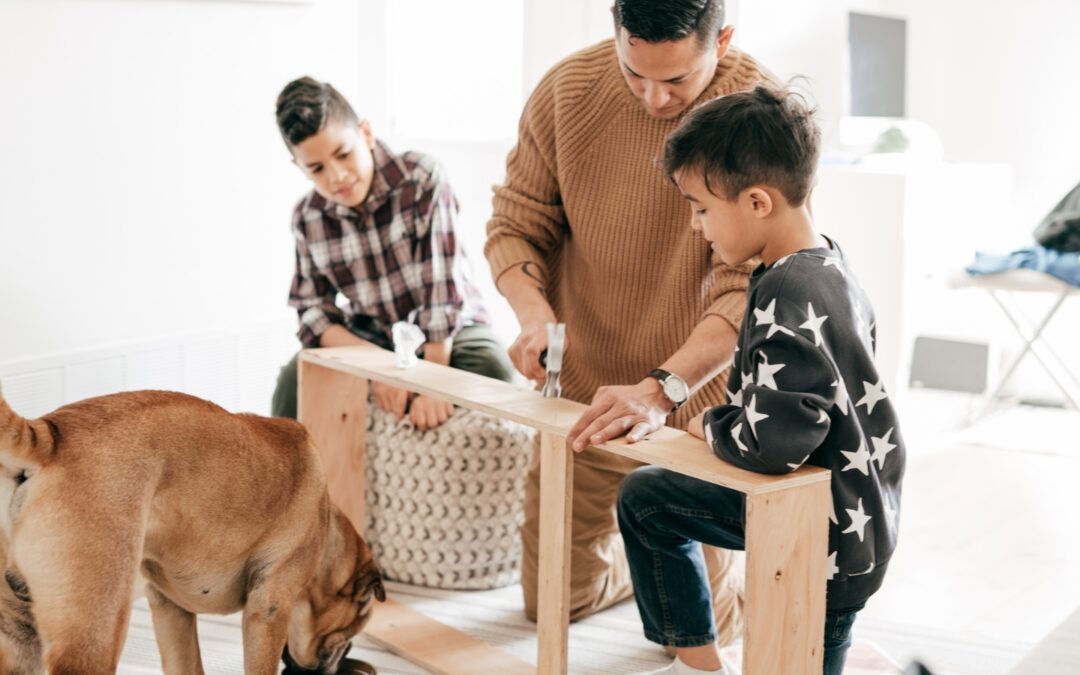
(144, 193)
(144, 190)
(996, 79)
(993, 78)
(807, 39)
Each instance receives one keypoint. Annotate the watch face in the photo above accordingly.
(675, 389)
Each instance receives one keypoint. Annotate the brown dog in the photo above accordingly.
(220, 513)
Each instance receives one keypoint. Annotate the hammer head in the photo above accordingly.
(553, 360)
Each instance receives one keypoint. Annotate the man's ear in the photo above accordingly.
(723, 41)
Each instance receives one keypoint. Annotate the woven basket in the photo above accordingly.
(444, 507)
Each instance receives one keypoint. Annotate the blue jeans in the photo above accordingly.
(664, 518)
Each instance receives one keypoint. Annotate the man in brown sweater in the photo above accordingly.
(589, 231)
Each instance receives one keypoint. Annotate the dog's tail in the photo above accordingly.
(23, 442)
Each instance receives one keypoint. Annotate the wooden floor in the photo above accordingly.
(986, 568)
(989, 546)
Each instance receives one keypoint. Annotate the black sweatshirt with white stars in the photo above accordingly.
(804, 389)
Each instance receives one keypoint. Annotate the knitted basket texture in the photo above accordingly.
(444, 507)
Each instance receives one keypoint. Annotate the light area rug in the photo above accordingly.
(1057, 654)
(607, 643)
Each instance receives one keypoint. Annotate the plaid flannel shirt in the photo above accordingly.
(398, 252)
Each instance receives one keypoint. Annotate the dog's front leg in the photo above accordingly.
(176, 633)
(266, 628)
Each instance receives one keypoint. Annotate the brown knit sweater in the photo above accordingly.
(586, 200)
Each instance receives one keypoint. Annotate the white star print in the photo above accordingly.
(766, 371)
(753, 416)
(767, 317)
(746, 380)
(831, 567)
(874, 393)
(882, 447)
(736, 398)
(841, 394)
(890, 513)
(861, 324)
(859, 519)
(708, 433)
(823, 416)
(736, 434)
(835, 262)
(858, 459)
(813, 324)
(832, 512)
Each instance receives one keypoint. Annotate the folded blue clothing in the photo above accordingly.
(1064, 266)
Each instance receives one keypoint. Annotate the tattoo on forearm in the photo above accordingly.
(530, 271)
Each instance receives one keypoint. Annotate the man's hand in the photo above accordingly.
(525, 352)
(390, 399)
(639, 409)
(523, 287)
(696, 427)
(428, 413)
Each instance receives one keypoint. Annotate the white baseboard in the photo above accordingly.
(235, 368)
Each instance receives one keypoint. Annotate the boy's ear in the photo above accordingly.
(365, 132)
(759, 201)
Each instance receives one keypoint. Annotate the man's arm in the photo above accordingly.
(523, 288)
(528, 223)
(642, 408)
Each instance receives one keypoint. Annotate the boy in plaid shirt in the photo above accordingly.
(378, 228)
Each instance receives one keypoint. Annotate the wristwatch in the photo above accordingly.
(674, 387)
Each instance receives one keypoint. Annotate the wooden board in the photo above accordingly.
(670, 448)
(553, 587)
(435, 646)
(333, 407)
(787, 535)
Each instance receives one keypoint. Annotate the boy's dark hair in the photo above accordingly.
(306, 105)
(762, 137)
(670, 20)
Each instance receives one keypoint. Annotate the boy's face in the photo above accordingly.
(338, 161)
(668, 76)
(734, 228)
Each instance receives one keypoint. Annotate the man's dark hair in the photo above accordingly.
(762, 137)
(306, 105)
(670, 20)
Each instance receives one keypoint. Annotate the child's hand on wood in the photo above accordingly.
(390, 399)
(696, 428)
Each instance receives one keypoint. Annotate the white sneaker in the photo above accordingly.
(677, 667)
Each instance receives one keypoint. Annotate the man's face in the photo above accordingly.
(338, 161)
(668, 76)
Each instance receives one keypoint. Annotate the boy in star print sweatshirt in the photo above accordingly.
(803, 389)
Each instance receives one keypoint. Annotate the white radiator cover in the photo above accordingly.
(236, 368)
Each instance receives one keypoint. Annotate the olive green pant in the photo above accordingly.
(475, 350)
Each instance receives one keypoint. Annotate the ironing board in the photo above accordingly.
(1003, 287)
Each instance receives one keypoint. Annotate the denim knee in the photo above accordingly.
(635, 493)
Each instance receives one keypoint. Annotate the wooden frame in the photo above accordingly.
(786, 517)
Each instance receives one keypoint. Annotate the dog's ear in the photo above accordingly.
(369, 581)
